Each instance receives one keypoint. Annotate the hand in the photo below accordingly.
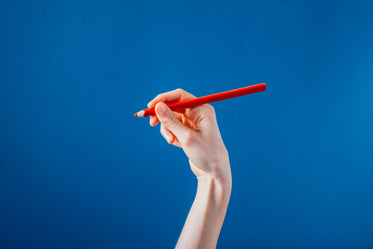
(196, 131)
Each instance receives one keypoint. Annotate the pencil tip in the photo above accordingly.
(140, 114)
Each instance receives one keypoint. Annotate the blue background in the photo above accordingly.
(77, 170)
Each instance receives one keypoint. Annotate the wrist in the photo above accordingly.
(220, 173)
(217, 189)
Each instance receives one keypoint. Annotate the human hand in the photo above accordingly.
(196, 131)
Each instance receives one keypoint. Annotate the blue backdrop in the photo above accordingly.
(77, 170)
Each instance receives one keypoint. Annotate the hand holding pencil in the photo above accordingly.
(190, 123)
(195, 131)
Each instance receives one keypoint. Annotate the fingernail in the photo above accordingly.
(163, 108)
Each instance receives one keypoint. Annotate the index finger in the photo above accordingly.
(172, 96)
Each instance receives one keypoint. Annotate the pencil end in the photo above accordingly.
(264, 86)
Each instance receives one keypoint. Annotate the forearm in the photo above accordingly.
(205, 218)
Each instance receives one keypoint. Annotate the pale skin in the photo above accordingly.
(196, 131)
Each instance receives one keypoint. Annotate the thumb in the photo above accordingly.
(170, 121)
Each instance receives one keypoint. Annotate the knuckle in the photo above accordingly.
(159, 96)
(181, 91)
(170, 121)
(209, 111)
(210, 108)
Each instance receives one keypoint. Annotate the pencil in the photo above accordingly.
(207, 99)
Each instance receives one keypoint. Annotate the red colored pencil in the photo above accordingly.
(207, 99)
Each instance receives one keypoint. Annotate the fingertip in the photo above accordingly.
(156, 122)
(157, 108)
(153, 102)
(172, 140)
(160, 107)
(157, 105)
(153, 121)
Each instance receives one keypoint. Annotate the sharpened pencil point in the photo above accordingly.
(140, 114)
